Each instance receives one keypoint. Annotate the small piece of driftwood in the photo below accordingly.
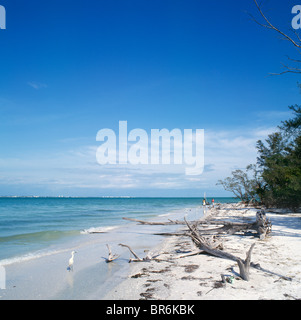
(137, 259)
(111, 257)
(147, 258)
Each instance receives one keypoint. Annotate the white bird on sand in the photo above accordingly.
(71, 261)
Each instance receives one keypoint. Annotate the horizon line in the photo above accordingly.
(104, 197)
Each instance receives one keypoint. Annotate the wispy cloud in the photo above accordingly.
(277, 115)
(37, 85)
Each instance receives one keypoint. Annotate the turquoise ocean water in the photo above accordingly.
(31, 224)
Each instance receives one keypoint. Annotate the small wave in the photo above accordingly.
(30, 256)
(164, 214)
(37, 237)
(98, 229)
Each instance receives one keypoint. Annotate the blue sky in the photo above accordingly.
(71, 68)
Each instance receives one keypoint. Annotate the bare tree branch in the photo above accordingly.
(269, 25)
(296, 43)
(294, 60)
(289, 70)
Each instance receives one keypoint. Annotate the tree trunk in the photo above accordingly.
(244, 266)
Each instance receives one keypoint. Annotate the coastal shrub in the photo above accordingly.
(281, 171)
(244, 184)
(275, 181)
(280, 161)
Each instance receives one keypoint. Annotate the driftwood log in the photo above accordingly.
(206, 245)
(168, 223)
(262, 226)
(244, 265)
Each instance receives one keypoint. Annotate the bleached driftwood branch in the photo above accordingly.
(170, 222)
(203, 244)
(262, 226)
(111, 256)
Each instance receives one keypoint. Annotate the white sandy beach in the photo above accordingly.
(199, 277)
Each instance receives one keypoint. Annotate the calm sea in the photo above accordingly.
(31, 224)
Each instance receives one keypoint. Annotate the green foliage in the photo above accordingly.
(280, 161)
(292, 127)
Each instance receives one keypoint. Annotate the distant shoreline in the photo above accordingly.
(110, 197)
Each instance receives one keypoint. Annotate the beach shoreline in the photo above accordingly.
(199, 277)
(188, 278)
(43, 275)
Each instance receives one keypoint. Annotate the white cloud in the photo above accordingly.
(77, 169)
(264, 132)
